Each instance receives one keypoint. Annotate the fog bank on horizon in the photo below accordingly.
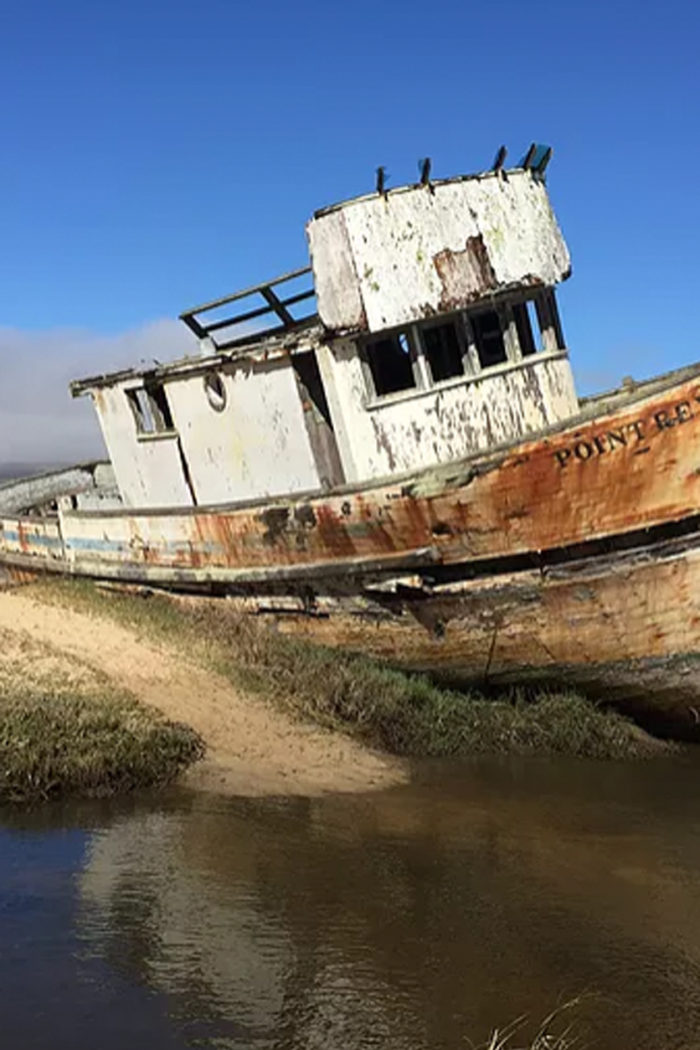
(41, 425)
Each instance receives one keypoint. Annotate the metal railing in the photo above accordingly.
(275, 306)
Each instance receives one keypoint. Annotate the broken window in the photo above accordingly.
(522, 315)
(150, 408)
(390, 363)
(442, 348)
(488, 336)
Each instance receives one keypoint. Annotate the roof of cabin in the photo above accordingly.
(395, 191)
(227, 334)
(277, 345)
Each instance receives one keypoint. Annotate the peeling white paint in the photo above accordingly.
(257, 445)
(148, 468)
(381, 262)
(420, 428)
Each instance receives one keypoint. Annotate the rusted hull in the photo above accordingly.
(572, 557)
(626, 469)
(624, 628)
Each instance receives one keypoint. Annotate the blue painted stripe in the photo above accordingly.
(32, 540)
(120, 547)
(95, 544)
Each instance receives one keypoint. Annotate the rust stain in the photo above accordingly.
(276, 522)
(465, 276)
(583, 483)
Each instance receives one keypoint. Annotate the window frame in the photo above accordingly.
(458, 322)
(150, 410)
(414, 353)
(537, 305)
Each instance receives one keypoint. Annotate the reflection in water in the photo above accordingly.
(413, 918)
(408, 919)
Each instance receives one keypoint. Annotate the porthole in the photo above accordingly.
(215, 391)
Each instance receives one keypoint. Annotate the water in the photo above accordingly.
(407, 920)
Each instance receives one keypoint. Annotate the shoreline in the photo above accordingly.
(281, 717)
(251, 747)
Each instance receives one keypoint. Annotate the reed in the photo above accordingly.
(555, 1032)
(403, 713)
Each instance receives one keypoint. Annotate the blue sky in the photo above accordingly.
(158, 154)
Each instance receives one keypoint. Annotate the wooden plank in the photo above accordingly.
(624, 628)
(629, 469)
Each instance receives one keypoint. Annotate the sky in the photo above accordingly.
(156, 154)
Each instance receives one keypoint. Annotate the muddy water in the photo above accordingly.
(407, 920)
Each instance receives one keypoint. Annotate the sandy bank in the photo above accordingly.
(252, 749)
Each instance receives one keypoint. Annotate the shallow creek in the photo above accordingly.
(412, 919)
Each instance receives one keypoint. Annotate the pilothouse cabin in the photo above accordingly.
(425, 330)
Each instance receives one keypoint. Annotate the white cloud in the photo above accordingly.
(39, 420)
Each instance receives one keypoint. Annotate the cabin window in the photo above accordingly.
(150, 409)
(390, 362)
(443, 351)
(522, 315)
(488, 336)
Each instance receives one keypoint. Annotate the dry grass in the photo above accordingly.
(556, 1032)
(404, 714)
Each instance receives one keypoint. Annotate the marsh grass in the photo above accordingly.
(66, 730)
(555, 1032)
(86, 745)
(405, 714)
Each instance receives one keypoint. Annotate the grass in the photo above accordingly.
(402, 713)
(554, 1033)
(65, 730)
(94, 746)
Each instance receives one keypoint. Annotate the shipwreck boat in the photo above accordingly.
(385, 451)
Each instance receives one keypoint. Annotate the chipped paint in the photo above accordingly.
(256, 445)
(420, 428)
(401, 556)
(551, 492)
(379, 263)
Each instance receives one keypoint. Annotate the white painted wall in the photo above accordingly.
(417, 429)
(257, 446)
(148, 469)
(382, 262)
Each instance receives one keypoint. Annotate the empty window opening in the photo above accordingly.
(150, 409)
(309, 376)
(160, 407)
(523, 317)
(390, 362)
(488, 336)
(442, 349)
(317, 418)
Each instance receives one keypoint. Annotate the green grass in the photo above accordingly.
(401, 713)
(84, 744)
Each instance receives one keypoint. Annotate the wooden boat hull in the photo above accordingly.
(572, 557)
(622, 628)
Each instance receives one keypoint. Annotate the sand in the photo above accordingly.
(253, 748)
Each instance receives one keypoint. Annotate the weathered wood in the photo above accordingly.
(369, 569)
(632, 468)
(380, 261)
(625, 629)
